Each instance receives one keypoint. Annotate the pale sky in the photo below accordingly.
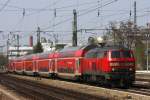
(26, 15)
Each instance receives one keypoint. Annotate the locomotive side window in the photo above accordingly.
(101, 54)
(115, 54)
(91, 54)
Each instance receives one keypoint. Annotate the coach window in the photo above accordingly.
(115, 54)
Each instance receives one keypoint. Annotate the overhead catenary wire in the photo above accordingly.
(1, 9)
(38, 11)
(24, 14)
(69, 19)
(34, 10)
(94, 10)
(61, 8)
(66, 20)
(46, 8)
(125, 19)
(106, 15)
(61, 22)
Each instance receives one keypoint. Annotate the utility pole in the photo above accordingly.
(74, 38)
(8, 43)
(147, 36)
(17, 45)
(135, 17)
(55, 36)
(130, 15)
(135, 24)
(8, 48)
(38, 35)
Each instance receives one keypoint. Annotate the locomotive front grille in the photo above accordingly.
(122, 69)
(122, 73)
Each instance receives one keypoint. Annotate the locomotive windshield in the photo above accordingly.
(115, 54)
(121, 54)
(127, 54)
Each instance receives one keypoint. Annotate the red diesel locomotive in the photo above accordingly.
(108, 65)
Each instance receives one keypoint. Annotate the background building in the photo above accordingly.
(14, 51)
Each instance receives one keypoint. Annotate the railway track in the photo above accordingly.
(139, 91)
(141, 87)
(143, 77)
(36, 91)
(31, 90)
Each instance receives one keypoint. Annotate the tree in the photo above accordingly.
(139, 55)
(3, 61)
(129, 36)
(122, 33)
(38, 48)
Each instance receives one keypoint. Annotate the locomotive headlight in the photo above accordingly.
(113, 69)
(130, 69)
(131, 64)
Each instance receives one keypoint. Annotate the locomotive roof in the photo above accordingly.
(44, 54)
(75, 51)
(111, 48)
(85, 47)
(29, 57)
(70, 49)
(89, 47)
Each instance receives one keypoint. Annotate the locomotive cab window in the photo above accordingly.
(115, 54)
(127, 54)
(121, 54)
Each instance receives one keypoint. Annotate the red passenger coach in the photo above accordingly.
(29, 67)
(45, 64)
(11, 67)
(19, 65)
(70, 63)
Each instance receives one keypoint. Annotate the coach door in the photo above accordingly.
(52, 66)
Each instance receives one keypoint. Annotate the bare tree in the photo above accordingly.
(129, 36)
(123, 33)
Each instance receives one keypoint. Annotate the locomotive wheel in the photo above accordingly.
(123, 84)
(53, 76)
(86, 78)
(78, 79)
